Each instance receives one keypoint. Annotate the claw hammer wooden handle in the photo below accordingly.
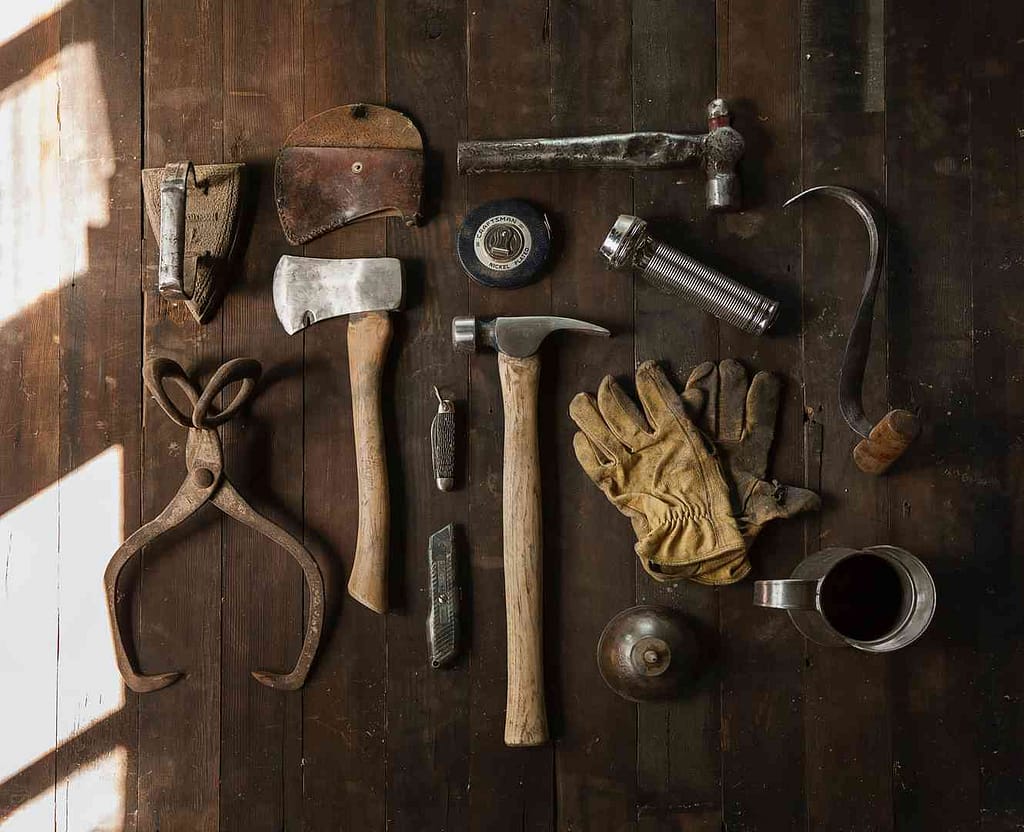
(525, 716)
(369, 334)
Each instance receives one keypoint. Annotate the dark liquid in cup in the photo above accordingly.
(862, 597)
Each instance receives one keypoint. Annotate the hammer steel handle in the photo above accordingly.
(369, 334)
(525, 715)
(622, 151)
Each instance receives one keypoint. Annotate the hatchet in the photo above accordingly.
(308, 290)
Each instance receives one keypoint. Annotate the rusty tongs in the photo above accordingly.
(206, 482)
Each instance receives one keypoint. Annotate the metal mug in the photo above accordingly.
(877, 599)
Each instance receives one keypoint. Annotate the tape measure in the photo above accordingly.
(504, 244)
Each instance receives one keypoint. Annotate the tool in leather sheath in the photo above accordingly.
(205, 483)
(442, 443)
(308, 290)
(516, 340)
(197, 229)
(345, 165)
(886, 440)
(443, 621)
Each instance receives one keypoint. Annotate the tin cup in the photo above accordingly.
(877, 599)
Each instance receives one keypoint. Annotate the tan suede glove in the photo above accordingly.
(659, 471)
(740, 417)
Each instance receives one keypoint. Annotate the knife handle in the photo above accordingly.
(369, 334)
(443, 621)
(442, 443)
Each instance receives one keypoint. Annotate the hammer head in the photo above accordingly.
(518, 337)
(310, 289)
(723, 148)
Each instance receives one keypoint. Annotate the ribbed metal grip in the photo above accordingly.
(629, 246)
(675, 273)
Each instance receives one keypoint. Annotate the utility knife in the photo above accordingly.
(443, 622)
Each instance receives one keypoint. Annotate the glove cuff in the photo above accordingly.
(685, 540)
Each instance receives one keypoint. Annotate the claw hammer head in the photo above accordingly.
(518, 337)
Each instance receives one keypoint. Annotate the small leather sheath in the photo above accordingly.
(348, 164)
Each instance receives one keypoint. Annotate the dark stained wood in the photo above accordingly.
(996, 205)
(181, 578)
(915, 104)
(846, 703)
(512, 788)
(933, 693)
(761, 652)
(343, 703)
(428, 714)
(262, 624)
(589, 565)
(678, 756)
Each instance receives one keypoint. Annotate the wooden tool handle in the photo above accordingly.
(526, 720)
(369, 334)
(886, 442)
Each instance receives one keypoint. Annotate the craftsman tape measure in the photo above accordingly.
(504, 244)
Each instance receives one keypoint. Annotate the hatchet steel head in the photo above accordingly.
(311, 289)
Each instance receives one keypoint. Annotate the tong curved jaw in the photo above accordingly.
(206, 482)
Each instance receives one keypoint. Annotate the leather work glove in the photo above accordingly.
(740, 418)
(660, 471)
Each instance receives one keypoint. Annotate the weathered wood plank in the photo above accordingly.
(997, 202)
(101, 450)
(428, 714)
(934, 701)
(262, 625)
(678, 748)
(761, 652)
(343, 703)
(589, 568)
(513, 788)
(30, 263)
(846, 713)
(180, 586)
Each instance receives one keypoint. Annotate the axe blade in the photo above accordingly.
(311, 289)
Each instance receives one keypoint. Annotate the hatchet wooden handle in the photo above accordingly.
(369, 334)
(525, 716)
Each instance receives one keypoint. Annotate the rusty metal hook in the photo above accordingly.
(885, 441)
(206, 482)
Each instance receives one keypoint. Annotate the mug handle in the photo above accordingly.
(789, 594)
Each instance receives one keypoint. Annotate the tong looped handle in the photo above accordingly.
(159, 370)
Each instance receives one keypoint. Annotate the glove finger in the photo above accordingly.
(583, 411)
(662, 405)
(704, 380)
(622, 416)
(762, 413)
(589, 458)
(693, 403)
(732, 400)
(770, 501)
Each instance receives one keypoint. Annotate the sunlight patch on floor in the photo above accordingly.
(58, 158)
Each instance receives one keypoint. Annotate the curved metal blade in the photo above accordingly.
(310, 289)
(855, 359)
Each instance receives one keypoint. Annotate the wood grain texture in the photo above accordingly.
(181, 578)
(526, 721)
(343, 703)
(679, 768)
(369, 336)
(915, 104)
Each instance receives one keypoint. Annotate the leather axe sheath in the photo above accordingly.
(351, 163)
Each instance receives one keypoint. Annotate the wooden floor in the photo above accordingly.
(915, 103)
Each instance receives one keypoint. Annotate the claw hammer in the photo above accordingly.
(516, 340)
